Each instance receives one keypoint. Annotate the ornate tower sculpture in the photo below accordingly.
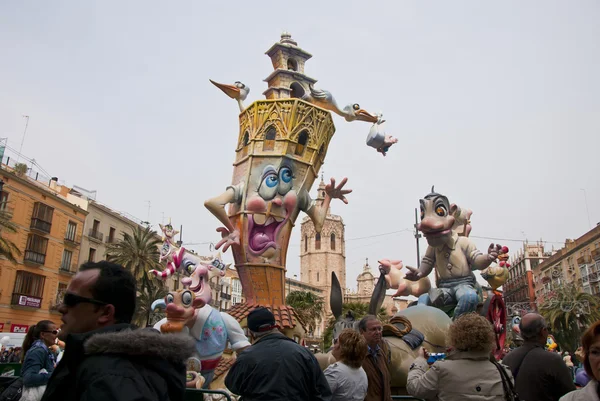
(282, 143)
(323, 252)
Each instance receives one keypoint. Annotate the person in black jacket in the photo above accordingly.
(275, 367)
(539, 374)
(105, 358)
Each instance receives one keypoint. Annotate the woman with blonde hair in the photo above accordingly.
(591, 363)
(346, 378)
(469, 371)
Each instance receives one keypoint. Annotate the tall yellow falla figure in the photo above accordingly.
(282, 144)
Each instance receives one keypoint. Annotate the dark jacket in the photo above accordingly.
(539, 374)
(276, 368)
(118, 363)
(36, 359)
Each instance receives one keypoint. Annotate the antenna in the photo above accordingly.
(23, 140)
(149, 205)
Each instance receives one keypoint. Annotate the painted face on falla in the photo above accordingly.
(270, 208)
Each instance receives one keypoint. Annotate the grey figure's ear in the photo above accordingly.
(335, 299)
(378, 296)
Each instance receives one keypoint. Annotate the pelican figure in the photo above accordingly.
(237, 91)
(325, 100)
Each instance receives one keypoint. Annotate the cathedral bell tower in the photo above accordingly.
(323, 253)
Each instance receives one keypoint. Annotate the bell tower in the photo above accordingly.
(288, 80)
(323, 253)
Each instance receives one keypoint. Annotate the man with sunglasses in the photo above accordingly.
(105, 357)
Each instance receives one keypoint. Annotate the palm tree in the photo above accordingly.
(7, 248)
(138, 252)
(569, 311)
(359, 310)
(144, 315)
(308, 306)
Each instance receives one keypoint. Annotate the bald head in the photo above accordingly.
(533, 328)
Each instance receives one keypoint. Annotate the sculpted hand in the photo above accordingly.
(337, 192)
(413, 274)
(228, 238)
(494, 251)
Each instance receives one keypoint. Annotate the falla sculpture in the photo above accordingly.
(282, 144)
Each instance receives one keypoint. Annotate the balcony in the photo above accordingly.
(584, 260)
(95, 235)
(68, 269)
(72, 240)
(596, 254)
(594, 278)
(226, 296)
(26, 300)
(40, 225)
(8, 211)
(34, 258)
(111, 240)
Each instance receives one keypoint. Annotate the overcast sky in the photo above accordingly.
(496, 103)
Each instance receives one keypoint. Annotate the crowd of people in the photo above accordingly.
(105, 357)
(10, 355)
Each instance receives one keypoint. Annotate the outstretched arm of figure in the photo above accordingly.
(427, 265)
(391, 269)
(229, 234)
(318, 213)
(478, 260)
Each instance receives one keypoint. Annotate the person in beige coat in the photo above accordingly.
(467, 373)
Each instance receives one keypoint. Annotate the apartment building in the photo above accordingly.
(49, 232)
(577, 263)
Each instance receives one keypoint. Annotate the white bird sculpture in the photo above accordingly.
(325, 100)
(237, 91)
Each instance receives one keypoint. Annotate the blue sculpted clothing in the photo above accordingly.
(38, 357)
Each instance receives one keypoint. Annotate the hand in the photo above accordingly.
(228, 238)
(494, 251)
(422, 352)
(413, 274)
(337, 192)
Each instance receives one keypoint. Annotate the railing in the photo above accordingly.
(34, 257)
(72, 268)
(73, 239)
(226, 296)
(111, 240)
(584, 259)
(40, 225)
(596, 254)
(95, 234)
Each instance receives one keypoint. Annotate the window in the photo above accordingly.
(269, 143)
(29, 284)
(41, 218)
(96, 226)
(71, 231)
(42, 212)
(297, 91)
(302, 140)
(92, 255)
(306, 243)
(111, 235)
(65, 264)
(35, 250)
(60, 292)
(317, 277)
(318, 241)
(292, 64)
(245, 142)
(4, 201)
(332, 242)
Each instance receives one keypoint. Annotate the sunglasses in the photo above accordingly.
(72, 300)
(55, 332)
